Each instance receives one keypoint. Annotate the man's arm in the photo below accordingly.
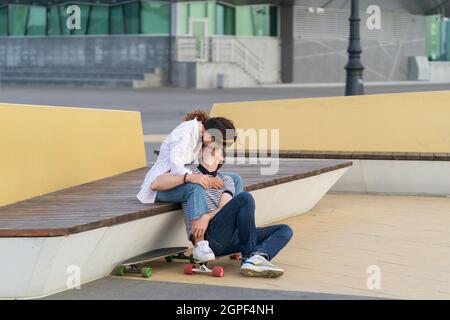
(200, 225)
(224, 199)
(167, 181)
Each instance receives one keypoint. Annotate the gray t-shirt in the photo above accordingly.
(212, 195)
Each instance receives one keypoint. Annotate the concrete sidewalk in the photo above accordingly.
(335, 249)
(131, 289)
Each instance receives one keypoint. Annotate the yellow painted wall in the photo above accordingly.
(44, 149)
(403, 122)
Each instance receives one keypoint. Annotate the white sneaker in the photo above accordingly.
(258, 266)
(202, 252)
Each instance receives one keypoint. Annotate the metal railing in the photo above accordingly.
(219, 49)
(232, 50)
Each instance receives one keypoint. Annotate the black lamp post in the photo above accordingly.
(354, 67)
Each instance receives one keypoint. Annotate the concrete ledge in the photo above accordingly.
(417, 122)
(39, 266)
(45, 149)
(405, 177)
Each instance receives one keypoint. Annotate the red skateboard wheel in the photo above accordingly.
(188, 269)
(218, 271)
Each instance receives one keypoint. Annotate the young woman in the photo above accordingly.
(182, 146)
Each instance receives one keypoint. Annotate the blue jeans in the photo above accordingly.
(194, 196)
(233, 230)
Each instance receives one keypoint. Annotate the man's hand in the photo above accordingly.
(200, 179)
(216, 182)
(199, 226)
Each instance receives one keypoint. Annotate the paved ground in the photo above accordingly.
(126, 289)
(344, 243)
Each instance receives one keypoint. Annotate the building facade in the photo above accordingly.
(211, 43)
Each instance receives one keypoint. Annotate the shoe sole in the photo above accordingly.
(264, 273)
(203, 261)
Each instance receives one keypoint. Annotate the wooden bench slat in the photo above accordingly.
(113, 200)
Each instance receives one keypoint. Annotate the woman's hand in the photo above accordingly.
(216, 182)
(200, 179)
(199, 226)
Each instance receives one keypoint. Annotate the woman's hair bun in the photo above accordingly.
(201, 115)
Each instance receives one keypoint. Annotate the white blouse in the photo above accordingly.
(182, 146)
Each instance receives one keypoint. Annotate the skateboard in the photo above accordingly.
(202, 267)
(136, 266)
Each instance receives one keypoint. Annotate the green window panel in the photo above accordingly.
(131, 12)
(244, 23)
(197, 10)
(37, 21)
(17, 20)
(63, 16)
(98, 20)
(211, 14)
(230, 21)
(155, 18)
(447, 41)
(183, 18)
(117, 20)
(220, 19)
(434, 37)
(53, 22)
(225, 20)
(4, 21)
(273, 21)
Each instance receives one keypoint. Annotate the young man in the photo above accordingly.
(229, 225)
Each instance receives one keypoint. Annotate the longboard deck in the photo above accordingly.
(154, 255)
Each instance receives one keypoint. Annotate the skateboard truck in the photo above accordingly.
(202, 267)
(135, 265)
(216, 271)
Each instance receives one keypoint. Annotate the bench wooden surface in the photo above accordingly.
(355, 155)
(113, 200)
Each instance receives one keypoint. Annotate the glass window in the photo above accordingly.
(225, 18)
(63, 16)
(37, 21)
(131, 11)
(155, 18)
(183, 18)
(273, 21)
(17, 20)
(53, 22)
(4, 21)
(197, 10)
(117, 20)
(447, 42)
(244, 23)
(230, 21)
(99, 20)
(220, 19)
